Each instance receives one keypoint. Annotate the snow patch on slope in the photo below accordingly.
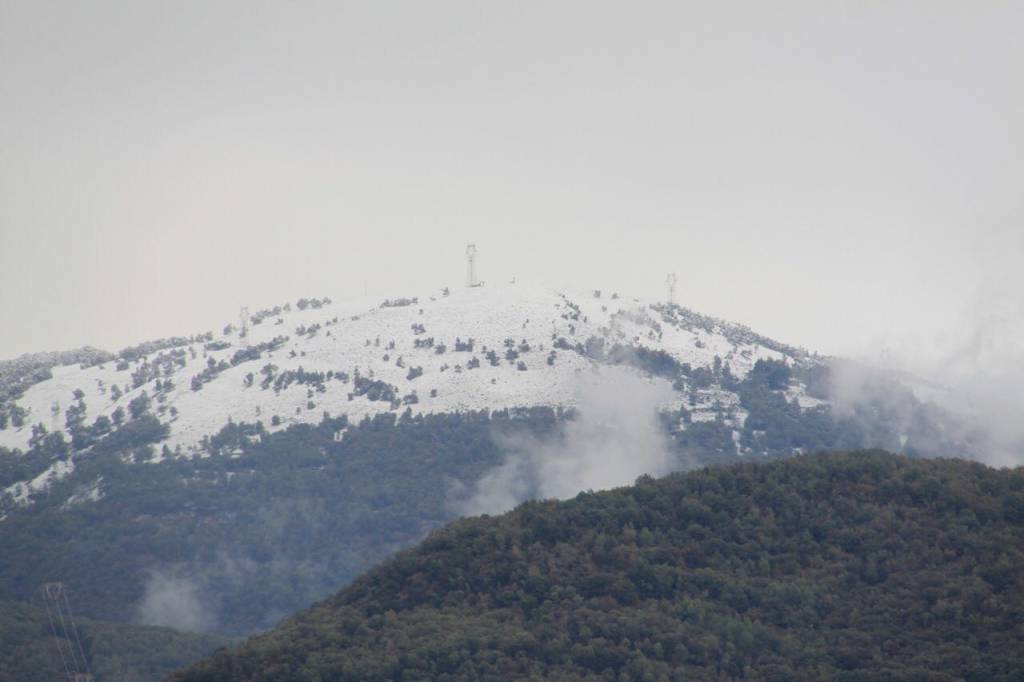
(22, 492)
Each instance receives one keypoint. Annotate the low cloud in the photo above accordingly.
(973, 369)
(174, 601)
(983, 368)
(614, 438)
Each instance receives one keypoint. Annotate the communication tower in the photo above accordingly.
(65, 633)
(471, 265)
(243, 322)
(671, 282)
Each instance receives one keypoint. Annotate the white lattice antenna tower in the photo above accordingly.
(243, 322)
(671, 282)
(471, 265)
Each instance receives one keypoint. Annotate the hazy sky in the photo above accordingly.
(834, 174)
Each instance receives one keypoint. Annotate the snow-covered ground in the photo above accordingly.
(359, 337)
(21, 492)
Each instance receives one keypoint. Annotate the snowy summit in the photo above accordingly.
(441, 351)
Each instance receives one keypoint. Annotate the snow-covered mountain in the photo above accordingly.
(441, 351)
(160, 442)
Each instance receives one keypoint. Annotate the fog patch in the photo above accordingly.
(983, 366)
(973, 370)
(614, 438)
(174, 601)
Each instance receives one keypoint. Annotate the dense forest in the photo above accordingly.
(125, 653)
(859, 566)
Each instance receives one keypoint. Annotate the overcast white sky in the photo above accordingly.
(834, 174)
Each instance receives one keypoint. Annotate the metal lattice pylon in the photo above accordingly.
(243, 322)
(471, 265)
(65, 633)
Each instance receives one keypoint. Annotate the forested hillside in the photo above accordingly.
(266, 525)
(114, 652)
(861, 566)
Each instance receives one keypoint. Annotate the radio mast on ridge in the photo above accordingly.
(471, 265)
(243, 322)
